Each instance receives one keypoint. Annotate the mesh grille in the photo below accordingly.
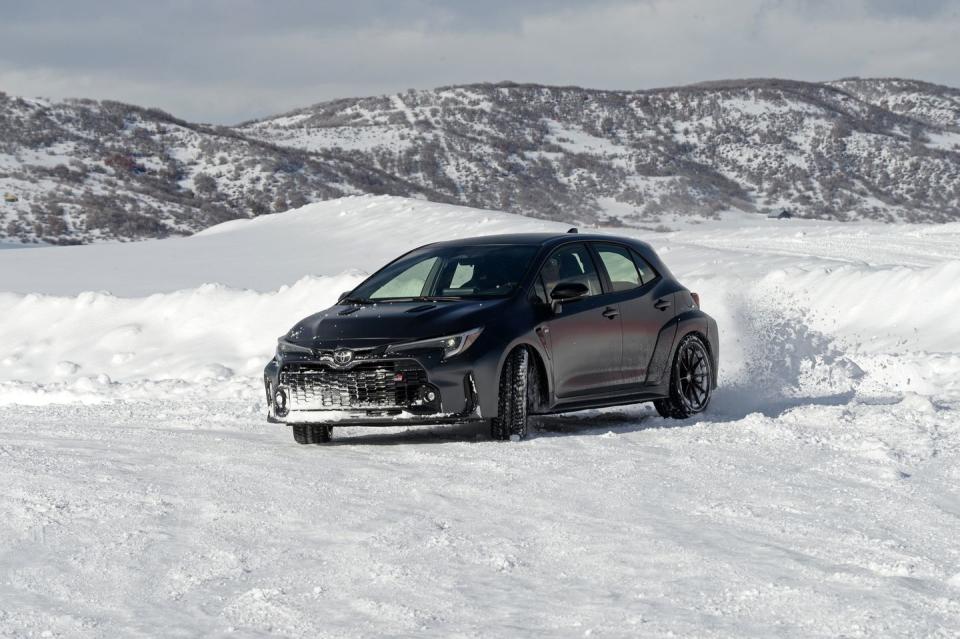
(366, 386)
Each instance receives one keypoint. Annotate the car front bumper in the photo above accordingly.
(375, 391)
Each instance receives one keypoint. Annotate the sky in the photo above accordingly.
(225, 61)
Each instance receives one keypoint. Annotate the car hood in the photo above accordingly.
(390, 322)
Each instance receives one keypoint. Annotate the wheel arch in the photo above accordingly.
(490, 401)
(696, 322)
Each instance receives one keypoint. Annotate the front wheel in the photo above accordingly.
(312, 433)
(518, 383)
(690, 381)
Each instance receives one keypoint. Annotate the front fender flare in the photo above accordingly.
(487, 376)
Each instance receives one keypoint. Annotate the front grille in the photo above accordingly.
(369, 385)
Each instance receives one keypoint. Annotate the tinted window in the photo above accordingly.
(571, 263)
(647, 274)
(451, 271)
(619, 266)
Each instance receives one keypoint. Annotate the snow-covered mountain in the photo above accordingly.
(852, 149)
(83, 171)
(881, 150)
(932, 104)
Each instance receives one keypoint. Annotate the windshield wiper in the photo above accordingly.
(411, 298)
(355, 300)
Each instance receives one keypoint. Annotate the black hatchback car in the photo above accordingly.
(498, 328)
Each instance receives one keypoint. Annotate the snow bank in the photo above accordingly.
(792, 328)
(208, 333)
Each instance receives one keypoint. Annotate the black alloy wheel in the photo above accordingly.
(690, 381)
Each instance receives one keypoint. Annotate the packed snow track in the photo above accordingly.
(143, 494)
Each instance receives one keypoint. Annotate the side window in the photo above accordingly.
(461, 275)
(619, 266)
(647, 274)
(571, 263)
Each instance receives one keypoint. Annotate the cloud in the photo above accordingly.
(225, 61)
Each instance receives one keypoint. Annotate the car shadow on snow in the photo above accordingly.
(408, 434)
(591, 422)
(631, 419)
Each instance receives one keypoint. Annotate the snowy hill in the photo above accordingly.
(86, 171)
(818, 150)
(886, 150)
(932, 104)
(144, 494)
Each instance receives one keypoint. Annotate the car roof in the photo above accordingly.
(546, 241)
(536, 239)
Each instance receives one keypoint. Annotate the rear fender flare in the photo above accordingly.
(698, 322)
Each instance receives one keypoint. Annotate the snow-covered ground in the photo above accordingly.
(143, 494)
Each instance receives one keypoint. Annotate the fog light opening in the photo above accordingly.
(428, 396)
(280, 402)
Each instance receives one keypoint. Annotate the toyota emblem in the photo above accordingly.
(342, 356)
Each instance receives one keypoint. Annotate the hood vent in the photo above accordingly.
(421, 309)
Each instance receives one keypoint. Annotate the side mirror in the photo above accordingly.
(567, 292)
(343, 296)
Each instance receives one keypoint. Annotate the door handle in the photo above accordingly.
(661, 304)
(610, 312)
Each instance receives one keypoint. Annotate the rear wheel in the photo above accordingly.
(518, 385)
(312, 433)
(690, 381)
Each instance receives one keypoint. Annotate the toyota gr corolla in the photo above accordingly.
(498, 328)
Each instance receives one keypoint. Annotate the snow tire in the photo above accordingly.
(312, 433)
(512, 419)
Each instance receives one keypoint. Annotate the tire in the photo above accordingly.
(690, 380)
(515, 401)
(312, 433)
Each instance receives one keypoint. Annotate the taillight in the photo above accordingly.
(696, 299)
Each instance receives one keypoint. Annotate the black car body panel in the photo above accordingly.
(612, 347)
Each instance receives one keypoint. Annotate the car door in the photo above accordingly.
(584, 335)
(633, 287)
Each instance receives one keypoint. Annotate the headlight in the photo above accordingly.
(451, 344)
(284, 347)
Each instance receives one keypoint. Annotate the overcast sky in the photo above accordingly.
(229, 60)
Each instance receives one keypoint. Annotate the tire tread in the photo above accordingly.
(311, 433)
(513, 402)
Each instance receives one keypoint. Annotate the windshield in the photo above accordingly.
(453, 272)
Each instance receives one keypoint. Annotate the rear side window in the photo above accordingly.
(619, 266)
(571, 263)
(647, 274)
